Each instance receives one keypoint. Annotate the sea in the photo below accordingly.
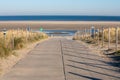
(59, 18)
(60, 32)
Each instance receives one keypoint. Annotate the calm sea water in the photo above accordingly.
(59, 32)
(59, 18)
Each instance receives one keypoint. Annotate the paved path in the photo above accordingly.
(62, 59)
(82, 64)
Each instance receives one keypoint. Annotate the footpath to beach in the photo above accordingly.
(63, 59)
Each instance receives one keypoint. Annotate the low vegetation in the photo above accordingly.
(17, 39)
(112, 34)
(98, 37)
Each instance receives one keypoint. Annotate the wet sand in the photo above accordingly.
(55, 25)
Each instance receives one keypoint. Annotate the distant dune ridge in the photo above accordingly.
(59, 25)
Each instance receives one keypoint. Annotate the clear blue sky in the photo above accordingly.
(60, 7)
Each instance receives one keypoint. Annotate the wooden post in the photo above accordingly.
(89, 33)
(116, 38)
(98, 36)
(80, 34)
(85, 34)
(13, 45)
(18, 31)
(102, 36)
(4, 33)
(93, 32)
(27, 35)
(108, 38)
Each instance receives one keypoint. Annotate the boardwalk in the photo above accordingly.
(62, 59)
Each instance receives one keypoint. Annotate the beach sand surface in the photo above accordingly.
(56, 25)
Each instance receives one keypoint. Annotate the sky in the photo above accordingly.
(60, 7)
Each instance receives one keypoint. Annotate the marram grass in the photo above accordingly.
(112, 35)
(15, 39)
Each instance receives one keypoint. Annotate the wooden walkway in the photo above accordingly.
(62, 59)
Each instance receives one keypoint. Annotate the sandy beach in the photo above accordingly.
(56, 25)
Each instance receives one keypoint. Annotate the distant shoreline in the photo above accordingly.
(60, 22)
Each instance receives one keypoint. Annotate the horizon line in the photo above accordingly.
(63, 15)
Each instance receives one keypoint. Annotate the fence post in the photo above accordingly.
(116, 38)
(93, 32)
(108, 38)
(80, 34)
(13, 45)
(85, 34)
(4, 33)
(18, 32)
(90, 33)
(98, 36)
(27, 34)
(102, 36)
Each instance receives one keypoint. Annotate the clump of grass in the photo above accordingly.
(90, 41)
(5, 51)
(117, 53)
(112, 34)
(16, 40)
(36, 37)
(19, 42)
(76, 38)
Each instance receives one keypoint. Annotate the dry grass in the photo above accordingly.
(16, 39)
(112, 34)
(97, 40)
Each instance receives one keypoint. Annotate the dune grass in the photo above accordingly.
(112, 35)
(117, 53)
(97, 40)
(15, 39)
